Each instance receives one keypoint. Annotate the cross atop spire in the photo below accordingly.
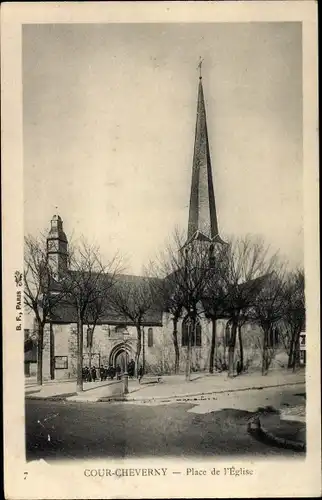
(199, 67)
(202, 210)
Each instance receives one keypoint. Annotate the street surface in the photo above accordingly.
(62, 430)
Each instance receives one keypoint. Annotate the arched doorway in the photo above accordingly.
(121, 359)
(121, 355)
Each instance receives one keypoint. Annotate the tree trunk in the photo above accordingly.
(224, 361)
(213, 345)
(291, 352)
(138, 351)
(90, 349)
(296, 354)
(263, 360)
(241, 348)
(265, 353)
(52, 353)
(79, 385)
(90, 356)
(143, 351)
(231, 349)
(188, 359)
(175, 343)
(40, 348)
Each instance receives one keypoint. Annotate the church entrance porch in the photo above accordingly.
(121, 355)
(122, 361)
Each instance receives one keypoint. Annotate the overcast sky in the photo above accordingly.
(109, 114)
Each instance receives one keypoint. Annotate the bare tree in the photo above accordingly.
(94, 312)
(294, 313)
(267, 310)
(243, 319)
(87, 284)
(248, 262)
(39, 277)
(189, 272)
(133, 299)
(167, 287)
(173, 304)
(215, 296)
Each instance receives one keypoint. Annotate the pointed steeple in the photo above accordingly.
(202, 210)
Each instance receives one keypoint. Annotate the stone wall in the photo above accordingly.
(46, 353)
(160, 356)
(163, 359)
(106, 339)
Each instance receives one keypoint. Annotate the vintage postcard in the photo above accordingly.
(161, 328)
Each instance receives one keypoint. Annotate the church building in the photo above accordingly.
(114, 336)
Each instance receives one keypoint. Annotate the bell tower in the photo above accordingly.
(202, 223)
(57, 247)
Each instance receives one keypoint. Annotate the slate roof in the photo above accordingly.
(65, 312)
(248, 289)
(202, 206)
(254, 284)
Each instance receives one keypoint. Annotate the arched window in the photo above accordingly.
(276, 336)
(198, 334)
(185, 332)
(227, 333)
(195, 336)
(150, 337)
(270, 339)
(89, 337)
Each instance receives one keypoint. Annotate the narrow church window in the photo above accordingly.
(276, 336)
(184, 333)
(198, 334)
(150, 337)
(227, 333)
(89, 337)
(270, 340)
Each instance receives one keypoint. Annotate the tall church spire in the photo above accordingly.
(202, 210)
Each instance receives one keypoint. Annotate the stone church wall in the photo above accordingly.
(46, 353)
(159, 354)
(106, 340)
(163, 360)
(164, 355)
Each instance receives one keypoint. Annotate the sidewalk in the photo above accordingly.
(173, 387)
(177, 387)
(61, 390)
